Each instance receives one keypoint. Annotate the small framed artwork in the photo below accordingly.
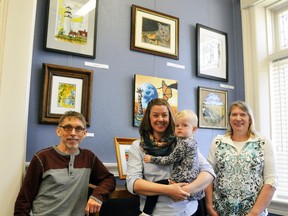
(65, 88)
(154, 33)
(147, 88)
(71, 27)
(122, 147)
(212, 53)
(212, 108)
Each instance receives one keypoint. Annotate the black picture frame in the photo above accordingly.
(212, 53)
(63, 34)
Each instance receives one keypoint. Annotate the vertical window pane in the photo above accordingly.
(279, 111)
(283, 29)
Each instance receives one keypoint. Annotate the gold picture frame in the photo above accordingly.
(122, 147)
(65, 88)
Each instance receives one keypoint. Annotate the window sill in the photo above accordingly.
(279, 207)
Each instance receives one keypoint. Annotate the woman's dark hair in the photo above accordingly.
(145, 125)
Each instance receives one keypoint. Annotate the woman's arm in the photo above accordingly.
(270, 180)
(136, 182)
(209, 190)
(263, 200)
(147, 188)
(205, 177)
(209, 200)
(200, 183)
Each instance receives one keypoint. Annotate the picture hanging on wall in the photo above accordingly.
(148, 88)
(122, 147)
(154, 33)
(65, 88)
(212, 53)
(71, 27)
(212, 108)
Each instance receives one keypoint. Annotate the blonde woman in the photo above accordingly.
(244, 163)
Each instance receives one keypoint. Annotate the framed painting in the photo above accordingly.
(122, 147)
(212, 108)
(212, 53)
(71, 27)
(154, 33)
(65, 88)
(147, 88)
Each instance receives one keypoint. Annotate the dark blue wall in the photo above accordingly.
(113, 89)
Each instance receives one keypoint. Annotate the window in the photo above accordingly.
(279, 95)
(279, 117)
(265, 44)
(283, 29)
(279, 22)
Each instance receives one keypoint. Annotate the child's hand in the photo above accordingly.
(147, 158)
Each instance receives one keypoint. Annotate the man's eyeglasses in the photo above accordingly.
(68, 128)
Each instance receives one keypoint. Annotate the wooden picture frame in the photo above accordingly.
(65, 88)
(154, 33)
(212, 108)
(212, 53)
(122, 147)
(71, 27)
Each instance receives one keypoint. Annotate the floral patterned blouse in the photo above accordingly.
(241, 173)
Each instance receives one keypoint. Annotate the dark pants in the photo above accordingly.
(121, 206)
(152, 200)
(130, 207)
(201, 210)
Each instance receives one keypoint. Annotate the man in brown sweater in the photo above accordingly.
(56, 181)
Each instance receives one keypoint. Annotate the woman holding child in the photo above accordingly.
(157, 139)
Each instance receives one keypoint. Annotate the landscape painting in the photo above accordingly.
(212, 108)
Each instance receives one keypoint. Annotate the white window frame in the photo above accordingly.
(256, 14)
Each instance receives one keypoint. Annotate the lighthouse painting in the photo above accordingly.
(71, 27)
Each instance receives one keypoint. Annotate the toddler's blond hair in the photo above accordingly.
(189, 115)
